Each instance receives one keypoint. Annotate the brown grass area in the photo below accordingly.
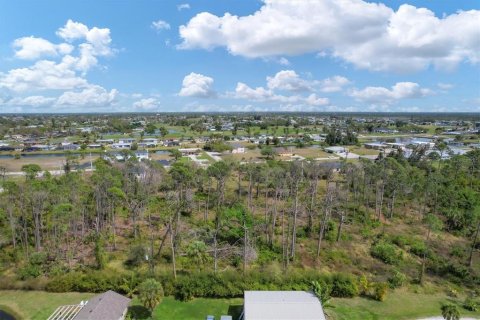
(362, 151)
(46, 163)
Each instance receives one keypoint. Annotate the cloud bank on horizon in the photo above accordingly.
(287, 55)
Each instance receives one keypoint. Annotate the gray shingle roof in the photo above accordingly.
(106, 306)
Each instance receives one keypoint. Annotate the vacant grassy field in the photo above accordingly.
(400, 305)
(362, 151)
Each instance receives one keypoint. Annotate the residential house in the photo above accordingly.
(284, 152)
(126, 140)
(122, 145)
(375, 145)
(189, 151)
(106, 306)
(336, 149)
(148, 143)
(105, 141)
(281, 305)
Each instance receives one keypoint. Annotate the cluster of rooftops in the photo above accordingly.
(258, 305)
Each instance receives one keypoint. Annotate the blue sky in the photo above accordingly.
(231, 55)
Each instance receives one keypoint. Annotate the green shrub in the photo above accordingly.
(380, 291)
(265, 256)
(331, 232)
(401, 240)
(38, 258)
(344, 286)
(29, 271)
(386, 252)
(136, 256)
(35, 267)
(470, 304)
(97, 281)
(364, 285)
(418, 249)
(397, 279)
(100, 255)
(458, 252)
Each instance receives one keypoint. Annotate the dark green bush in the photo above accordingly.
(386, 252)
(419, 249)
(38, 258)
(401, 240)
(96, 281)
(397, 279)
(136, 256)
(206, 284)
(470, 304)
(29, 271)
(344, 286)
(35, 266)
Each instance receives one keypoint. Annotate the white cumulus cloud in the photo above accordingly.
(31, 101)
(368, 35)
(92, 96)
(243, 91)
(97, 42)
(382, 95)
(146, 104)
(33, 48)
(288, 80)
(197, 85)
(334, 84)
(160, 25)
(64, 72)
(44, 75)
(183, 6)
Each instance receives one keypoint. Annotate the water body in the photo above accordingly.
(4, 315)
(164, 162)
(404, 140)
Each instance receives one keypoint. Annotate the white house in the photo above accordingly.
(281, 305)
(122, 145)
(336, 149)
(148, 143)
(238, 150)
(126, 140)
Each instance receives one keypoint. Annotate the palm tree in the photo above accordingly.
(450, 312)
(150, 293)
(197, 252)
(322, 291)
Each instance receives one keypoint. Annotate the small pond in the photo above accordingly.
(4, 315)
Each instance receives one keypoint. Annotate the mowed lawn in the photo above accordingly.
(172, 309)
(400, 305)
(38, 304)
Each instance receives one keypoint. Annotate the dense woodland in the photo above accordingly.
(213, 232)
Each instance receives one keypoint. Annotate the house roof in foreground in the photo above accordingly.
(106, 306)
(282, 305)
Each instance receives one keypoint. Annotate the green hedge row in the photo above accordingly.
(204, 284)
